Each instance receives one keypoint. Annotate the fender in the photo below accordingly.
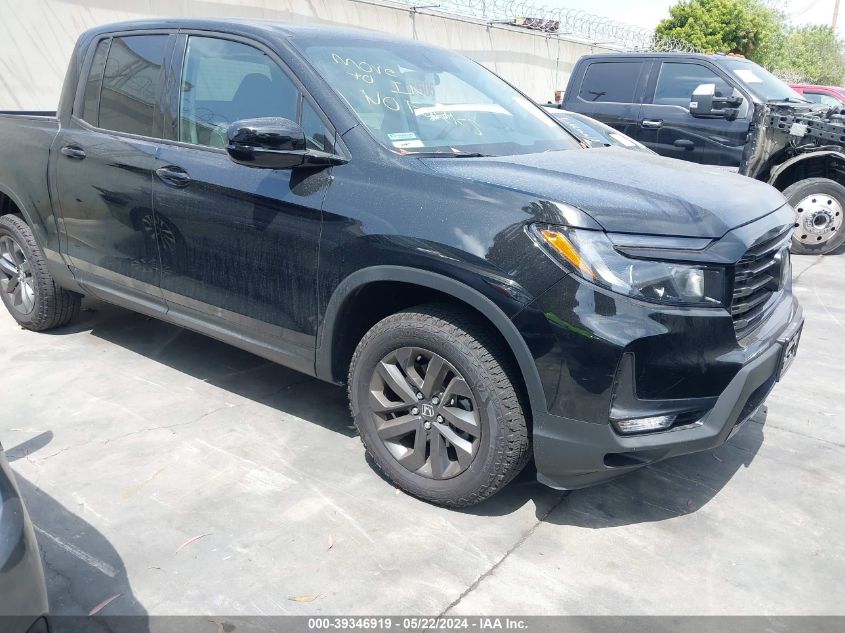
(434, 281)
(777, 171)
(27, 216)
(56, 265)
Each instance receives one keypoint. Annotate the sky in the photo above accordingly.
(647, 13)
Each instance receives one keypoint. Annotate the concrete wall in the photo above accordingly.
(37, 38)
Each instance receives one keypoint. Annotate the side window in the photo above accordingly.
(613, 82)
(132, 84)
(225, 81)
(824, 99)
(678, 80)
(91, 98)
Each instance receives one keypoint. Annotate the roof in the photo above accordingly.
(716, 57)
(275, 28)
(813, 86)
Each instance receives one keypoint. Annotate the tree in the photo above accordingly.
(755, 29)
(812, 54)
(728, 26)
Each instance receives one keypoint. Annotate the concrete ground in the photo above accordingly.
(184, 476)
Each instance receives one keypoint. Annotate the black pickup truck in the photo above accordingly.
(386, 214)
(728, 111)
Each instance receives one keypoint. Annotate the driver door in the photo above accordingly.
(667, 127)
(239, 244)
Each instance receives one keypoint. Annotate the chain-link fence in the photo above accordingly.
(573, 23)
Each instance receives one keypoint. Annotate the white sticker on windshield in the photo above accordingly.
(402, 136)
(414, 143)
(748, 76)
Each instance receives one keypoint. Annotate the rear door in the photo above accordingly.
(239, 244)
(667, 127)
(104, 166)
(611, 91)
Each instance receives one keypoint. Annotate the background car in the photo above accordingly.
(594, 133)
(826, 95)
(23, 593)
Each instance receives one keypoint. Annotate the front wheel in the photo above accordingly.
(433, 398)
(819, 205)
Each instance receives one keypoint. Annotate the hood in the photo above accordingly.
(625, 191)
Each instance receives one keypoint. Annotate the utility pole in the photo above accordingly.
(835, 15)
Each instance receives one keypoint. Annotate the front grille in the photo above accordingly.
(757, 277)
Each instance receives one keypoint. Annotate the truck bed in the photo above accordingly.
(25, 141)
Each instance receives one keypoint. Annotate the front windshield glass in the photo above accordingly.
(418, 99)
(760, 81)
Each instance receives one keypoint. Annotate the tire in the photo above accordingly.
(477, 437)
(40, 304)
(819, 205)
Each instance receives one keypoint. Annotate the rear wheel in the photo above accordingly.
(819, 205)
(26, 287)
(433, 399)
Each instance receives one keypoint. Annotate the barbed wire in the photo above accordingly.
(575, 23)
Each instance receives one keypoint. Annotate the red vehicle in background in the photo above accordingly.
(826, 95)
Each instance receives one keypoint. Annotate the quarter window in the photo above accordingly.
(91, 99)
(678, 81)
(316, 135)
(132, 84)
(613, 82)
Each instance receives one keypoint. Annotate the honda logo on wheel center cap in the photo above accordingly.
(427, 411)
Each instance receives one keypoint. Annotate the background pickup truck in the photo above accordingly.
(728, 111)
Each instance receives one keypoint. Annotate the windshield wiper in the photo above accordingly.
(788, 100)
(448, 154)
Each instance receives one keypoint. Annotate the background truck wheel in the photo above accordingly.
(433, 398)
(819, 205)
(27, 289)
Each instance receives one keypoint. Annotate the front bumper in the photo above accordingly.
(690, 356)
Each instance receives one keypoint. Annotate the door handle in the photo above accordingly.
(652, 124)
(684, 143)
(173, 176)
(72, 151)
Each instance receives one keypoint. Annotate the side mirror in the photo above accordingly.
(704, 103)
(272, 143)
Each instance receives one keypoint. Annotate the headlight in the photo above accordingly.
(593, 256)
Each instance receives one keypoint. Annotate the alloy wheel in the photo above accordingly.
(16, 279)
(425, 413)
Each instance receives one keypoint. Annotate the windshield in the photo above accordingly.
(596, 133)
(418, 99)
(760, 81)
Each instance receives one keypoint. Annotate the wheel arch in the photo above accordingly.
(819, 164)
(335, 341)
(11, 204)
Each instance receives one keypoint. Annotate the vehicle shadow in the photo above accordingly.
(662, 491)
(82, 569)
(217, 364)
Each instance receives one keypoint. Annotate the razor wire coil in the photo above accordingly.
(575, 23)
